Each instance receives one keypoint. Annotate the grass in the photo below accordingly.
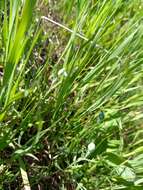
(71, 95)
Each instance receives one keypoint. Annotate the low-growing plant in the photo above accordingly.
(71, 95)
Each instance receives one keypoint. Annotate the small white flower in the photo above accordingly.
(2, 168)
(91, 147)
(62, 72)
(37, 20)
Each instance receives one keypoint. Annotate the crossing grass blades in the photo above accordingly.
(71, 95)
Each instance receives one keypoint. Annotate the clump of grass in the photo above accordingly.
(71, 102)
